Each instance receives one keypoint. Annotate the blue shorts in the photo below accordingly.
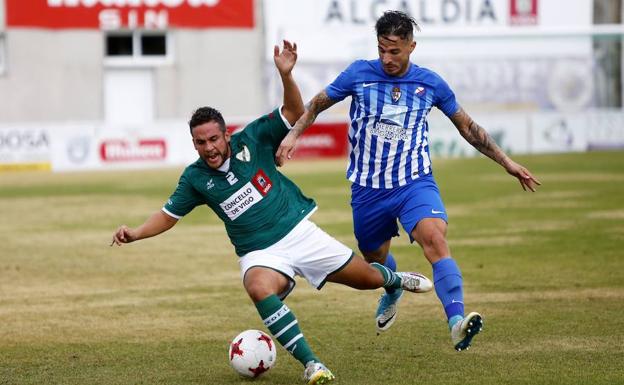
(375, 211)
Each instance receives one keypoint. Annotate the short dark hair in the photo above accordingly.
(396, 23)
(205, 115)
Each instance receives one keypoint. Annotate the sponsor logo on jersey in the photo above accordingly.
(389, 132)
(396, 94)
(262, 182)
(241, 201)
(420, 91)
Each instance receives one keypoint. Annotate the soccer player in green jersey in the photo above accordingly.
(266, 218)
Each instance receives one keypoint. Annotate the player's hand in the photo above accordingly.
(526, 179)
(285, 60)
(123, 235)
(286, 150)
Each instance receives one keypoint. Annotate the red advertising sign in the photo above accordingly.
(321, 140)
(122, 150)
(523, 12)
(115, 14)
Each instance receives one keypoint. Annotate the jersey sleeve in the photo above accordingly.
(445, 98)
(269, 129)
(183, 200)
(342, 86)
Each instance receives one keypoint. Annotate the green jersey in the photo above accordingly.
(257, 204)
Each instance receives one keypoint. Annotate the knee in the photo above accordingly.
(434, 240)
(374, 256)
(258, 290)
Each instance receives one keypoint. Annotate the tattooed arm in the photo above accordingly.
(482, 141)
(318, 104)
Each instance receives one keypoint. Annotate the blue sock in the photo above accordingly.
(448, 285)
(390, 264)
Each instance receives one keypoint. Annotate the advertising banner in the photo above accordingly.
(323, 140)
(24, 147)
(2, 53)
(2, 19)
(73, 147)
(85, 147)
(498, 55)
(115, 14)
(90, 146)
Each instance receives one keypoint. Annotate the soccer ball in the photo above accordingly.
(252, 353)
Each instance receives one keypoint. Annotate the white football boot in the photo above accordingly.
(415, 282)
(463, 331)
(387, 310)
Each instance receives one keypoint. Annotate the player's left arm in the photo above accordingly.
(478, 137)
(285, 61)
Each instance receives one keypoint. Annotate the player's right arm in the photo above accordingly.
(318, 104)
(157, 223)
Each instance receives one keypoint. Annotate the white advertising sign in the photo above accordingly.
(2, 53)
(93, 146)
(496, 54)
(2, 17)
(342, 30)
(509, 131)
(554, 132)
(24, 147)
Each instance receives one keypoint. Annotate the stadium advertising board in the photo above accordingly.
(24, 148)
(93, 146)
(323, 140)
(141, 150)
(2, 53)
(115, 14)
(90, 146)
(2, 19)
(495, 54)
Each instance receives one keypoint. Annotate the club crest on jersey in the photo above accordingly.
(209, 184)
(262, 182)
(244, 155)
(396, 94)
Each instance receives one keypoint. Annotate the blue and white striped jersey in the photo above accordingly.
(388, 144)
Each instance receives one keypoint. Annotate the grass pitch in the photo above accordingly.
(546, 270)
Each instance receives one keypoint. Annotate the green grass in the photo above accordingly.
(545, 269)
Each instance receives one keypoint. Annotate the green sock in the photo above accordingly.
(391, 280)
(283, 324)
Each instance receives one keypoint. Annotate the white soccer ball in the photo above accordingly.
(252, 353)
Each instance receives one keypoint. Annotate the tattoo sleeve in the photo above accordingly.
(478, 137)
(318, 104)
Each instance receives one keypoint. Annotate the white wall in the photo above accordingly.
(51, 76)
(220, 68)
(57, 75)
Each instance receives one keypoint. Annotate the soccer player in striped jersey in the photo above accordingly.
(390, 167)
(266, 218)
